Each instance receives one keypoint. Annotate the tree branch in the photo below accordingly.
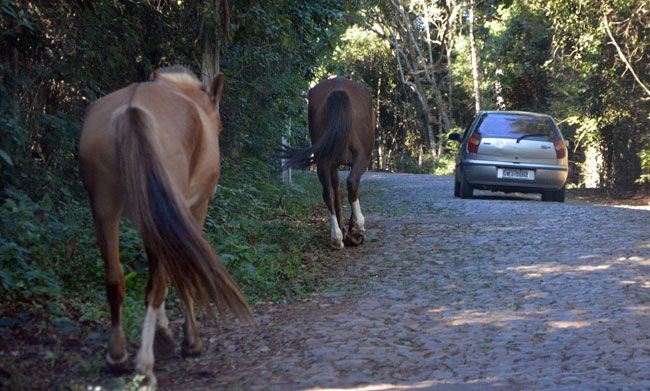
(622, 55)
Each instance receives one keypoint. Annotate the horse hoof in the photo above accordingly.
(117, 366)
(164, 344)
(337, 245)
(149, 382)
(193, 350)
(354, 239)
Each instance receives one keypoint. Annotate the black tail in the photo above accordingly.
(166, 223)
(338, 114)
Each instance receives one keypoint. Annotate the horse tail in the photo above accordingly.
(165, 222)
(338, 117)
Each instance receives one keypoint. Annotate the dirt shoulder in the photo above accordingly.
(604, 197)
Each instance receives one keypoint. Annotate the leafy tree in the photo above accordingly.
(593, 85)
(519, 46)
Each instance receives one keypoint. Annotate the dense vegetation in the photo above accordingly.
(56, 57)
(585, 62)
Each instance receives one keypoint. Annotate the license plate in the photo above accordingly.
(513, 173)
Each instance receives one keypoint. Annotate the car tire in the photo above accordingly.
(554, 195)
(465, 189)
(558, 196)
(456, 188)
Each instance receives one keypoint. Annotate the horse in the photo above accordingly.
(341, 126)
(150, 152)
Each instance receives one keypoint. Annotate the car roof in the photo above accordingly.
(527, 113)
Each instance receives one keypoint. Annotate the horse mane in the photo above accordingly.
(177, 74)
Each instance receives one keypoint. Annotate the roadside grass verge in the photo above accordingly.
(52, 298)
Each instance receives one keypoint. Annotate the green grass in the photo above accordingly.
(51, 272)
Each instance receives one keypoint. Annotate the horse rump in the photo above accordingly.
(337, 114)
(165, 222)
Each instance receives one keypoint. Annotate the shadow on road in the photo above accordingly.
(489, 195)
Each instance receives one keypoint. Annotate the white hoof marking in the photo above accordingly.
(145, 359)
(112, 362)
(336, 235)
(163, 322)
(359, 220)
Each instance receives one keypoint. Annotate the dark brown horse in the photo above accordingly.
(150, 152)
(342, 132)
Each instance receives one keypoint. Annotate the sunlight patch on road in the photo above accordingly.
(427, 384)
(592, 268)
(636, 260)
(481, 317)
(642, 283)
(539, 270)
(569, 324)
(639, 310)
(382, 387)
(438, 310)
(638, 207)
(589, 256)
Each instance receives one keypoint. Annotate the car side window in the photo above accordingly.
(467, 128)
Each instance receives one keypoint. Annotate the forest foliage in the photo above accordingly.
(57, 57)
(586, 63)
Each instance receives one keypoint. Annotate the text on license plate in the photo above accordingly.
(515, 173)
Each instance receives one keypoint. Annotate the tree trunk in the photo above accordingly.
(286, 174)
(378, 123)
(498, 90)
(211, 45)
(432, 139)
(387, 161)
(378, 162)
(475, 65)
(210, 59)
(450, 86)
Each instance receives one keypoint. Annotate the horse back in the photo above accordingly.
(183, 142)
(363, 124)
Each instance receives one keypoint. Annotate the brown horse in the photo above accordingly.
(342, 132)
(150, 152)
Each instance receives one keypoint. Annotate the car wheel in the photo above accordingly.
(554, 195)
(559, 195)
(465, 189)
(456, 188)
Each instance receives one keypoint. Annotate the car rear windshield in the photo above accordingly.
(517, 125)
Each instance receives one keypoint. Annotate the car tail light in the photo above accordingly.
(560, 149)
(474, 142)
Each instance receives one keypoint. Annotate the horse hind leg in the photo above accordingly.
(107, 225)
(156, 292)
(338, 202)
(192, 343)
(336, 234)
(164, 344)
(356, 229)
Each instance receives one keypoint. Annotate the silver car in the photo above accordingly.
(511, 151)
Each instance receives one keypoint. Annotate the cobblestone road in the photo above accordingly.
(488, 293)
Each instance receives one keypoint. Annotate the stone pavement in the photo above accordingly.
(497, 292)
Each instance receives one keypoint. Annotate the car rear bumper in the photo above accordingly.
(482, 174)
